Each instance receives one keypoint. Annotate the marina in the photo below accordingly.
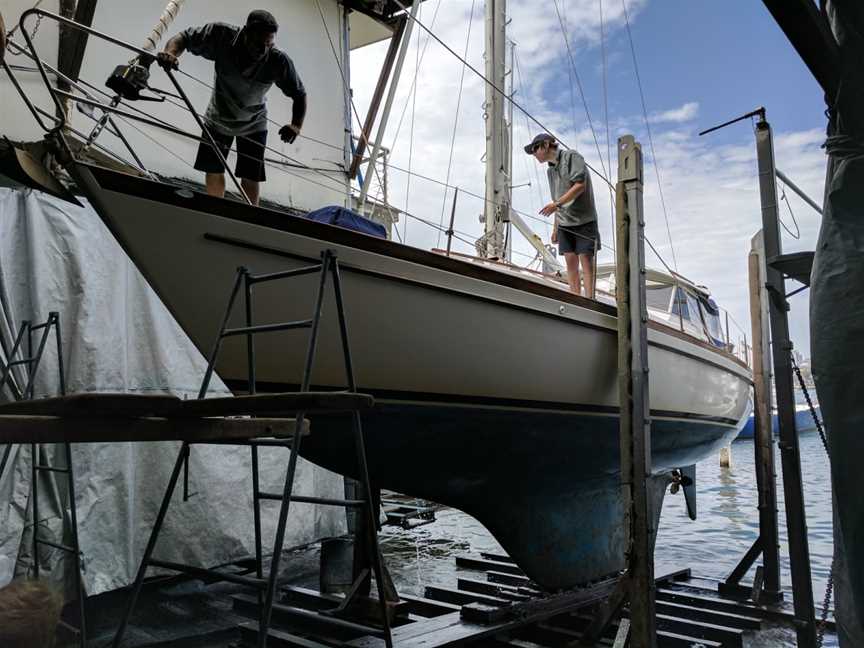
(244, 410)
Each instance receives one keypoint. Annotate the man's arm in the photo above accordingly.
(291, 86)
(205, 41)
(571, 194)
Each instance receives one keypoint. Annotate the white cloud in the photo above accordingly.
(711, 190)
(684, 113)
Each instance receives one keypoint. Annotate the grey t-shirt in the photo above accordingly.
(566, 170)
(237, 105)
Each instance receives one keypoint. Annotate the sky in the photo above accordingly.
(700, 63)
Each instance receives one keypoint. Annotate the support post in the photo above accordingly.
(635, 430)
(763, 443)
(388, 104)
(781, 351)
(452, 218)
(372, 113)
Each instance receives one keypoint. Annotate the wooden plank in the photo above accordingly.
(53, 429)
(509, 579)
(94, 405)
(471, 562)
(278, 639)
(459, 597)
(729, 637)
(258, 404)
(427, 607)
(709, 616)
(484, 587)
(304, 620)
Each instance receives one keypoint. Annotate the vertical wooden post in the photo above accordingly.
(635, 431)
(763, 443)
(781, 350)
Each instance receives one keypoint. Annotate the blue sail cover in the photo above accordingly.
(342, 217)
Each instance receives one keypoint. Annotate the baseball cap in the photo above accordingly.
(539, 139)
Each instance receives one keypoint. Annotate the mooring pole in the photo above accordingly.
(635, 430)
(781, 351)
(763, 442)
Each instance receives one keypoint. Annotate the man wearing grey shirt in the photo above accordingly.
(247, 64)
(575, 228)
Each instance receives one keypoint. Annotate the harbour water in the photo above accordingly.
(711, 546)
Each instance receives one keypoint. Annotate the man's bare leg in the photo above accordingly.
(252, 189)
(572, 261)
(215, 184)
(587, 263)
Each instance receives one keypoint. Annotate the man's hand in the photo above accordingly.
(167, 61)
(555, 235)
(289, 133)
(551, 208)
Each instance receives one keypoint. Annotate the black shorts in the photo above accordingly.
(579, 239)
(250, 155)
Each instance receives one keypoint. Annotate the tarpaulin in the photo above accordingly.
(119, 337)
(837, 317)
(342, 217)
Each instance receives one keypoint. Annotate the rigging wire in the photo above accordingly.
(500, 91)
(346, 89)
(414, 80)
(456, 120)
(797, 234)
(581, 89)
(650, 137)
(605, 79)
(411, 133)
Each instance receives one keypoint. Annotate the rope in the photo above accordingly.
(455, 121)
(650, 138)
(165, 20)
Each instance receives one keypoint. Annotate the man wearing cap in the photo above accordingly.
(575, 229)
(247, 64)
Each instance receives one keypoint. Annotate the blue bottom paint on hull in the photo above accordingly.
(545, 483)
(803, 423)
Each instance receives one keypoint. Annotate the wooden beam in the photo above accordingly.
(56, 429)
(810, 35)
(73, 42)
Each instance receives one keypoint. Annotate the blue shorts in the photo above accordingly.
(579, 239)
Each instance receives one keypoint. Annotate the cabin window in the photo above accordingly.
(679, 305)
(658, 297)
(713, 327)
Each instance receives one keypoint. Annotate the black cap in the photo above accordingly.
(539, 139)
(261, 20)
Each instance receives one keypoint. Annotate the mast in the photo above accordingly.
(497, 206)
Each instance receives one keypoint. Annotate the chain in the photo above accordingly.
(829, 587)
(12, 31)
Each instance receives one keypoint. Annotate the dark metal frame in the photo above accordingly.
(39, 461)
(328, 267)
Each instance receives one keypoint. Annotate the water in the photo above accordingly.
(727, 525)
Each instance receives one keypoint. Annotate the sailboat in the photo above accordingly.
(496, 388)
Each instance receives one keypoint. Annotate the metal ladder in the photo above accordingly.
(39, 460)
(328, 267)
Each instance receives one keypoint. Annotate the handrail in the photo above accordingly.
(142, 54)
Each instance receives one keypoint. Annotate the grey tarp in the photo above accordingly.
(119, 337)
(837, 317)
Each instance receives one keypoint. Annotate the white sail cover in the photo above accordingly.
(119, 337)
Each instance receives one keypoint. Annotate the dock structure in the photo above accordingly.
(493, 604)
